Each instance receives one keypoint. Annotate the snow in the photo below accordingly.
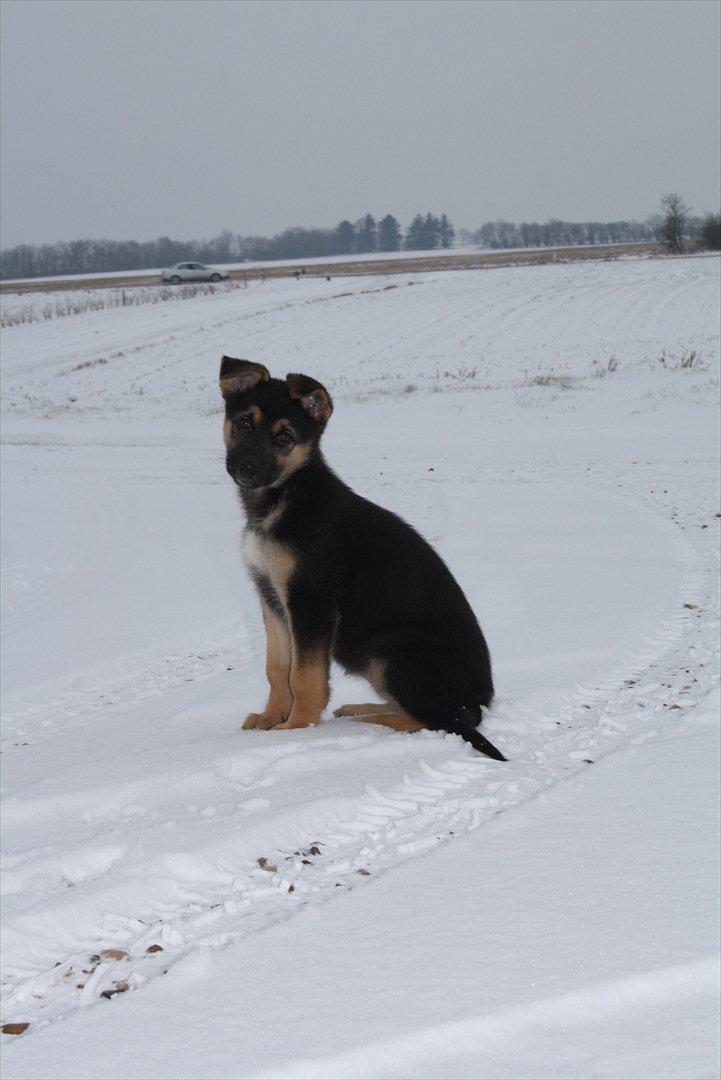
(419, 910)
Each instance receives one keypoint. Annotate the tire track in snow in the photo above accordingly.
(135, 679)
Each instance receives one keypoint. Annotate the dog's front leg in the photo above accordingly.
(277, 669)
(312, 624)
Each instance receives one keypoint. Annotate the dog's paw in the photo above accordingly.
(261, 721)
(294, 722)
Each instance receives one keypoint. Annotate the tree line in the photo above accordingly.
(365, 236)
(557, 233)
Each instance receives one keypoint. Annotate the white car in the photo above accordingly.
(193, 271)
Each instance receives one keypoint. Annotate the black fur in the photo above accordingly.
(367, 590)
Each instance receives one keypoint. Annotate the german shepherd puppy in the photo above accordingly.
(340, 578)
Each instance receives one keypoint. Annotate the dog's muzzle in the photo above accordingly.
(247, 474)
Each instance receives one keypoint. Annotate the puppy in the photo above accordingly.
(341, 578)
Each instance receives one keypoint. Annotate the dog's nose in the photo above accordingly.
(247, 469)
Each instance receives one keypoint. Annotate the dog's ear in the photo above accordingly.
(237, 376)
(313, 397)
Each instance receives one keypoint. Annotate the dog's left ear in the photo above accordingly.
(313, 397)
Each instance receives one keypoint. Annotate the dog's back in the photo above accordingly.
(403, 621)
(401, 601)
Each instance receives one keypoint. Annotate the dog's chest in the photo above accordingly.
(266, 558)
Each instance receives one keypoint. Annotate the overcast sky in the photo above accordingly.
(138, 118)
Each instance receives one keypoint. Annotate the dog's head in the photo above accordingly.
(272, 426)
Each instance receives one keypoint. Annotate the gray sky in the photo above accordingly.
(137, 118)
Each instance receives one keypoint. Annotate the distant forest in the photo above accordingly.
(424, 233)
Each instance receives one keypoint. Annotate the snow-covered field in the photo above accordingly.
(41, 306)
(347, 901)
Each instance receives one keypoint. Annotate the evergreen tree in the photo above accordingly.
(446, 232)
(415, 235)
(389, 234)
(710, 233)
(431, 232)
(367, 234)
(344, 238)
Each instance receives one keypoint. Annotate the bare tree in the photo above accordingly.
(673, 223)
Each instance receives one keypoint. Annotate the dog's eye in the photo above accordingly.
(243, 423)
(284, 438)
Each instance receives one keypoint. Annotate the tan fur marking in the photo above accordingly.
(282, 425)
(313, 397)
(292, 461)
(371, 708)
(268, 557)
(237, 376)
(272, 518)
(297, 457)
(253, 412)
(389, 714)
(318, 404)
(375, 674)
(310, 688)
(277, 669)
(397, 721)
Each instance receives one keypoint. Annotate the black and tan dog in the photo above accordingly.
(340, 578)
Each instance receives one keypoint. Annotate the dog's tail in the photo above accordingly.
(464, 723)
